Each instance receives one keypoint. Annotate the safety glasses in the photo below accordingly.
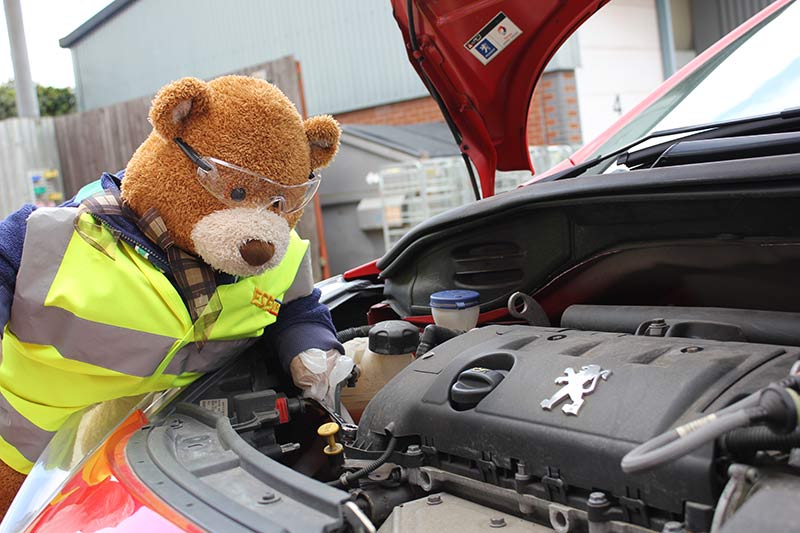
(239, 187)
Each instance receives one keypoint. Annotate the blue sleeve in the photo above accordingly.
(5, 309)
(302, 324)
(12, 236)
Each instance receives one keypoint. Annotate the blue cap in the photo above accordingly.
(456, 299)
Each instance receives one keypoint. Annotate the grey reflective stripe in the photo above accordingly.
(303, 282)
(123, 350)
(131, 352)
(28, 438)
(212, 356)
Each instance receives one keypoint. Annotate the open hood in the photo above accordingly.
(481, 60)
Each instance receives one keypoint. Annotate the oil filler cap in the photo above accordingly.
(473, 385)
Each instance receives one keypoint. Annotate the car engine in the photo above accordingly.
(529, 428)
(534, 422)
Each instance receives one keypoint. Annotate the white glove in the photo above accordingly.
(318, 373)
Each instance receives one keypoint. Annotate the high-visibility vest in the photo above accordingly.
(86, 327)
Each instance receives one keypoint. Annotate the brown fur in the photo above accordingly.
(241, 120)
(10, 482)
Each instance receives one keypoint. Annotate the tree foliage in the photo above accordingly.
(52, 100)
(8, 102)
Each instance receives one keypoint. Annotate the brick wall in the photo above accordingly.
(553, 117)
(559, 104)
(395, 114)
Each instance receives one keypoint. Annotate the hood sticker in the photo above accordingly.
(493, 38)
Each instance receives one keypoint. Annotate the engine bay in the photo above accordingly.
(525, 426)
(654, 388)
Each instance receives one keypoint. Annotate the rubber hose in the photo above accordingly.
(347, 479)
(337, 398)
(433, 336)
(352, 333)
(746, 441)
(648, 454)
(671, 445)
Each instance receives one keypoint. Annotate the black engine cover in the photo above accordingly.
(655, 383)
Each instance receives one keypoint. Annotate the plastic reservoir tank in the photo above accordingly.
(392, 344)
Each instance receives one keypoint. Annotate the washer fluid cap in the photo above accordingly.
(455, 299)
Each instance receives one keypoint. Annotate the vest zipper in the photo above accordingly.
(151, 253)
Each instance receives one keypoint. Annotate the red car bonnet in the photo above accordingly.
(483, 58)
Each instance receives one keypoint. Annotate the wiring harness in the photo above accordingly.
(776, 406)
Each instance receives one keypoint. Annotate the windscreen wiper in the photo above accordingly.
(740, 126)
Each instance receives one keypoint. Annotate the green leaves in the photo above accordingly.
(52, 100)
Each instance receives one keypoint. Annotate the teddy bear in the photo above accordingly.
(153, 276)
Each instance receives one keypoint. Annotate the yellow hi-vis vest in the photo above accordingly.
(86, 328)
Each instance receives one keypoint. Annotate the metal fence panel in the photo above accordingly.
(414, 191)
(27, 146)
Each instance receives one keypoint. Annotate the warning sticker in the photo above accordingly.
(217, 405)
(493, 37)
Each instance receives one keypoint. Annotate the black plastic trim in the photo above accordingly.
(693, 179)
(766, 327)
(300, 503)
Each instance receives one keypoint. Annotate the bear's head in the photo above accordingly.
(228, 167)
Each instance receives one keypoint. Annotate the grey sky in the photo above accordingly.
(47, 21)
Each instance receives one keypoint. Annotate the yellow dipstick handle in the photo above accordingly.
(329, 432)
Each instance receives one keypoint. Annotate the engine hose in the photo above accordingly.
(680, 441)
(337, 398)
(352, 333)
(774, 405)
(746, 441)
(346, 480)
(433, 336)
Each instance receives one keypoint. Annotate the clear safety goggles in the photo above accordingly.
(239, 187)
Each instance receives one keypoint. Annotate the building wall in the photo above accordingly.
(351, 53)
(395, 114)
(715, 18)
(353, 58)
(620, 62)
(553, 116)
(556, 102)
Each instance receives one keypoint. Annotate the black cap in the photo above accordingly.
(393, 337)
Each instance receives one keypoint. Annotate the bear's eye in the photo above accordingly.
(238, 194)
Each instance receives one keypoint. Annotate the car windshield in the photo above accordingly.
(756, 74)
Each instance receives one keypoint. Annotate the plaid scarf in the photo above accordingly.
(195, 279)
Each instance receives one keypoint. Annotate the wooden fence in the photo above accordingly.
(104, 139)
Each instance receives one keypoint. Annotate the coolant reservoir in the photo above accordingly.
(388, 350)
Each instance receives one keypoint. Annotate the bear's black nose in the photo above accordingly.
(256, 252)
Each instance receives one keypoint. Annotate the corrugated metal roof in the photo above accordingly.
(98, 19)
(427, 139)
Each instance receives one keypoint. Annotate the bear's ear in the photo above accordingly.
(323, 137)
(176, 103)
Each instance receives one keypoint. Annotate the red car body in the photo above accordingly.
(510, 154)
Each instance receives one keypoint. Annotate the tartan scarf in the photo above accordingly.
(195, 280)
